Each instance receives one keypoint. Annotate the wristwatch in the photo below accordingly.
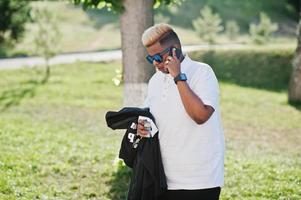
(180, 77)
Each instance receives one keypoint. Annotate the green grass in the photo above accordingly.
(54, 143)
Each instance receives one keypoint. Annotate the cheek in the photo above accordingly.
(165, 57)
(158, 64)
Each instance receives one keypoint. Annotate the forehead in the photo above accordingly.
(154, 48)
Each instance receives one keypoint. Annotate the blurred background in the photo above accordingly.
(64, 64)
(99, 29)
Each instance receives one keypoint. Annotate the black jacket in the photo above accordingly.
(142, 154)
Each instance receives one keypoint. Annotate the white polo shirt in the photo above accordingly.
(192, 154)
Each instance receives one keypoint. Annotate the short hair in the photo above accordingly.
(162, 33)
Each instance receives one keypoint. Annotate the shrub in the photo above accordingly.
(255, 67)
(232, 29)
(47, 37)
(208, 25)
(262, 32)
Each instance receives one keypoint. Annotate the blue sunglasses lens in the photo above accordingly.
(149, 59)
(157, 58)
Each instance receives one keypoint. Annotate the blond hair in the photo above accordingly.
(154, 33)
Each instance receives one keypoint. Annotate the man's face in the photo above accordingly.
(156, 48)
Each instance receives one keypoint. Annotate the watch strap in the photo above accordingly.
(180, 77)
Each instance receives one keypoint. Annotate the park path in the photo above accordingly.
(16, 63)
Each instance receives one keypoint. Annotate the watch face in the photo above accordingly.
(183, 77)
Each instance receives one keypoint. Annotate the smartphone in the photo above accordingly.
(178, 52)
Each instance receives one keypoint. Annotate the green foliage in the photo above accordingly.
(262, 32)
(208, 25)
(232, 29)
(47, 37)
(13, 16)
(116, 5)
(243, 12)
(295, 4)
(102, 26)
(158, 3)
(256, 67)
(160, 18)
(118, 79)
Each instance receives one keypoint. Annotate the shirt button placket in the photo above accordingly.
(165, 85)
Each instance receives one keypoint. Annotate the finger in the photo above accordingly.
(155, 62)
(141, 128)
(143, 133)
(141, 122)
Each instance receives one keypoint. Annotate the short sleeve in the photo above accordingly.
(205, 85)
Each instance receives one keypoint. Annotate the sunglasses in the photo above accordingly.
(157, 57)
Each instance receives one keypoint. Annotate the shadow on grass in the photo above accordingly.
(14, 96)
(296, 105)
(119, 182)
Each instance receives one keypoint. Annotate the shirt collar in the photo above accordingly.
(184, 66)
(185, 63)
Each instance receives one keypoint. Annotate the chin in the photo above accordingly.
(163, 71)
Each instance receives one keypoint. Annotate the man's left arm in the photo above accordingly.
(200, 102)
(194, 106)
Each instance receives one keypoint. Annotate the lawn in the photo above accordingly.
(54, 143)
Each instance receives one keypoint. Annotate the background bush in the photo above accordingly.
(255, 67)
(262, 32)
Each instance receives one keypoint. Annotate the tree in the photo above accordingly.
(232, 29)
(295, 4)
(13, 16)
(135, 17)
(294, 93)
(262, 32)
(208, 25)
(47, 37)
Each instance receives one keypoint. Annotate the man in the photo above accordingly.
(183, 96)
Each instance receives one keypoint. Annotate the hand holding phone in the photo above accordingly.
(178, 52)
(172, 63)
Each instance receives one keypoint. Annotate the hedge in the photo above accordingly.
(260, 67)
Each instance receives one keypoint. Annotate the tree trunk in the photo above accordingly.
(294, 94)
(137, 17)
